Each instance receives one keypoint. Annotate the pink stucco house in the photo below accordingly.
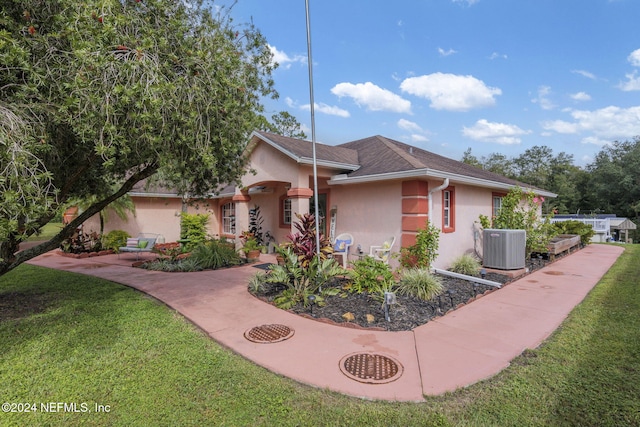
(376, 188)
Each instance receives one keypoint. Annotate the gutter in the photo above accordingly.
(441, 187)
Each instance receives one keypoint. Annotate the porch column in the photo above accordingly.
(241, 200)
(299, 203)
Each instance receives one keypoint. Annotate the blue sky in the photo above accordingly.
(445, 75)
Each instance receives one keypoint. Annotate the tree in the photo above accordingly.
(109, 92)
(284, 124)
(614, 179)
(470, 159)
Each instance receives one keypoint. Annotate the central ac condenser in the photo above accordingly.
(504, 249)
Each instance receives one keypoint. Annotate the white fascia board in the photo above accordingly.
(329, 164)
(344, 179)
(160, 195)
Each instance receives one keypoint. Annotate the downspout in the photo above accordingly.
(444, 185)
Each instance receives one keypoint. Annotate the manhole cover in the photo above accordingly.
(371, 368)
(269, 333)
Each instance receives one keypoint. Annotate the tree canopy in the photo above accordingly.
(109, 92)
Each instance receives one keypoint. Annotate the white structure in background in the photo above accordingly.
(608, 227)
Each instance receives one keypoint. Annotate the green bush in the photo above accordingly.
(424, 251)
(370, 275)
(169, 265)
(193, 228)
(419, 283)
(115, 239)
(585, 231)
(466, 264)
(214, 254)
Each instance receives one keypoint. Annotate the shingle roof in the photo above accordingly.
(380, 155)
(377, 155)
(304, 149)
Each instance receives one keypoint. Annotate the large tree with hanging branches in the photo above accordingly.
(102, 94)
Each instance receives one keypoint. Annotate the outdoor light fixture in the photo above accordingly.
(483, 273)
(451, 292)
(312, 300)
(389, 298)
(475, 289)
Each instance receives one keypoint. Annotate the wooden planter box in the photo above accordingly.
(562, 243)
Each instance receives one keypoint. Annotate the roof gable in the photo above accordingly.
(301, 151)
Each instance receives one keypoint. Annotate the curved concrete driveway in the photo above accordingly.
(465, 346)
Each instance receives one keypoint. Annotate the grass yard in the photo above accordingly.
(76, 339)
(47, 232)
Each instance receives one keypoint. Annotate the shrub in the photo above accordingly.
(466, 264)
(115, 239)
(303, 243)
(301, 281)
(370, 275)
(585, 231)
(193, 228)
(214, 254)
(169, 265)
(424, 251)
(420, 283)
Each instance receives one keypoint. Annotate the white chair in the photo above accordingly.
(341, 247)
(383, 252)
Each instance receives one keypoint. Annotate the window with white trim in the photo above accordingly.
(286, 211)
(229, 218)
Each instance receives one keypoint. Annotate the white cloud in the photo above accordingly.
(496, 55)
(581, 96)
(451, 92)
(373, 97)
(443, 52)
(601, 126)
(632, 83)
(285, 60)
(543, 98)
(500, 133)
(409, 125)
(417, 133)
(634, 58)
(468, 2)
(584, 73)
(418, 138)
(327, 109)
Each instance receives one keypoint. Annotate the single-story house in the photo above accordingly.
(374, 188)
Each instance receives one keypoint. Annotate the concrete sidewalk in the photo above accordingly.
(461, 348)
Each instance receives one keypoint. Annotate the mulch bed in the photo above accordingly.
(408, 313)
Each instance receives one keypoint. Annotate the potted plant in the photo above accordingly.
(251, 247)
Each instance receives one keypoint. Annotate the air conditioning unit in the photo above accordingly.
(504, 249)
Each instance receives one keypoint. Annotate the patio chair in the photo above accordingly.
(143, 243)
(382, 252)
(341, 247)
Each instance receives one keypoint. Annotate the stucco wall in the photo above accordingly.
(156, 215)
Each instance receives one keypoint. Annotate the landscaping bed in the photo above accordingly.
(408, 313)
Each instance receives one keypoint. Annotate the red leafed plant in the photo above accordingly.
(303, 243)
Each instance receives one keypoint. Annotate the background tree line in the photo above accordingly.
(610, 184)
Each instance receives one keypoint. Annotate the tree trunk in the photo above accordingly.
(10, 258)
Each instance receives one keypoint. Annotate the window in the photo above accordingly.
(229, 218)
(497, 204)
(448, 210)
(286, 211)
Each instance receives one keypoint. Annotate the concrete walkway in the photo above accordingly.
(461, 348)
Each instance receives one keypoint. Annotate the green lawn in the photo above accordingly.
(75, 339)
(47, 232)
